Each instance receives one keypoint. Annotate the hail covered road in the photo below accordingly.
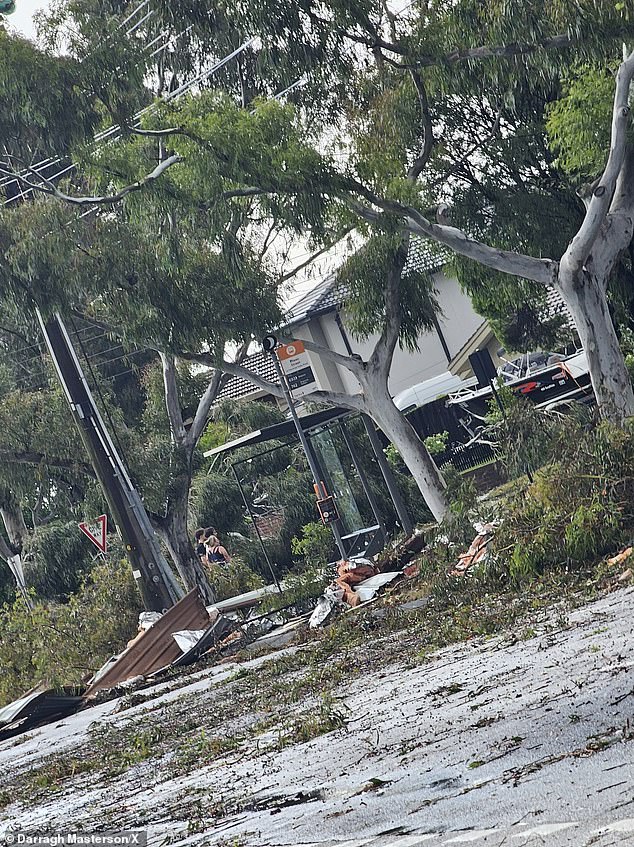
(495, 742)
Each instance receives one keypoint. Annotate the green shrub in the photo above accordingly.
(56, 558)
(578, 508)
(64, 644)
(316, 545)
(437, 443)
(234, 578)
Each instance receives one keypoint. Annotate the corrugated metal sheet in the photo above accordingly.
(38, 706)
(156, 648)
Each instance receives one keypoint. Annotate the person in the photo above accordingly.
(201, 550)
(216, 553)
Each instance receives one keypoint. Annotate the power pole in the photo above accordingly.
(154, 578)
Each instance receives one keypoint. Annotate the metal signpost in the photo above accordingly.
(297, 370)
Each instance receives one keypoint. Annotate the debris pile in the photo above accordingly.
(177, 638)
(477, 552)
(357, 581)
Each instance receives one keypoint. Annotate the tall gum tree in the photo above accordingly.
(420, 51)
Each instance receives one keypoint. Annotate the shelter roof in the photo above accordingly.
(280, 430)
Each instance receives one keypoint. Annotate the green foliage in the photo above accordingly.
(527, 437)
(234, 578)
(43, 109)
(437, 443)
(316, 545)
(579, 507)
(578, 123)
(627, 346)
(216, 501)
(365, 274)
(64, 644)
(56, 558)
(463, 507)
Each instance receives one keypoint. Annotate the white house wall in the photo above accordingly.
(458, 322)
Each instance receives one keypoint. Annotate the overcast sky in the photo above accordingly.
(22, 19)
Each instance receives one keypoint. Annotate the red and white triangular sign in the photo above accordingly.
(96, 531)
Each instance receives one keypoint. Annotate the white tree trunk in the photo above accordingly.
(415, 455)
(585, 297)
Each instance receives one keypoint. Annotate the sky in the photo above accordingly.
(22, 19)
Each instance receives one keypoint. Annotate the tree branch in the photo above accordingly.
(205, 403)
(214, 387)
(501, 51)
(465, 158)
(235, 369)
(381, 358)
(616, 235)
(46, 186)
(241, 371)
(581, 245)
(5, 551)
(316, 255)
(356, 402)
(24, 457)
(352, 363)
(155, 133)
(506, 261)
(428, 131)
(172, 401)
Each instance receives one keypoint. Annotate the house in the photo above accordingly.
(320, 316)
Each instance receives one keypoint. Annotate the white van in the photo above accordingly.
(430, 390)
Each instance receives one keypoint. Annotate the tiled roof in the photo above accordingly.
(261, 364)
(555, 307)
(426, 255)
(328, 293)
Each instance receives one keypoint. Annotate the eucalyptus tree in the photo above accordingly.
(436, 59)
(388, 83)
